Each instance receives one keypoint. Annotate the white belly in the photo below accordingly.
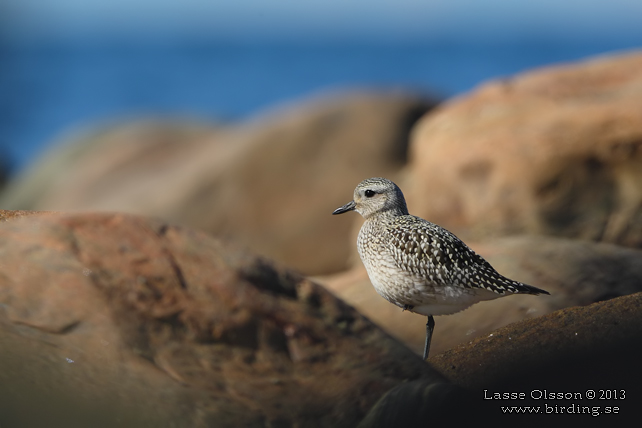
(424, 297)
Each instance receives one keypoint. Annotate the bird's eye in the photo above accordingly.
(369, 193)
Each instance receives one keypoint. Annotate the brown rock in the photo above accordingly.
(597, 346)
(574, 272)
(109, 319)
(6, 215)
(270, 183)
(553, 151)
(87, 164)
(576, 364)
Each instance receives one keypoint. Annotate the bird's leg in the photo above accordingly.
(430, 326)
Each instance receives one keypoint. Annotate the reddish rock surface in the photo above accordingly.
(269, 183)
(115, 320)
(554, 151)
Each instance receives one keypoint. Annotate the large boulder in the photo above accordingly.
(575, 272)
(114, 320)
(554, 151)
(595, 347)
(269, 182)
(576, 364)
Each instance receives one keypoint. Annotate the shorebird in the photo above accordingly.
(417, 265)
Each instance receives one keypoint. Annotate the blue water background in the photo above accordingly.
(49, 90)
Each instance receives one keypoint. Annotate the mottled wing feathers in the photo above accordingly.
(429, 251)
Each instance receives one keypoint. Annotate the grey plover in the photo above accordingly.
(418, 265)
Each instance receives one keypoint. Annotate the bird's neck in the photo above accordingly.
(387, 215)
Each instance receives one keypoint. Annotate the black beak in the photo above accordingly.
(344, 209)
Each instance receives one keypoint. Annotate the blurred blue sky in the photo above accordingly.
(381, 20)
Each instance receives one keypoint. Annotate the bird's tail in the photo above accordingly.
(529, 289)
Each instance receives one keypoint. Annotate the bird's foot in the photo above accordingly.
(407, 308)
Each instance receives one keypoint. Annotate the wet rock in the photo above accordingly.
(116, 320)
(554, 151)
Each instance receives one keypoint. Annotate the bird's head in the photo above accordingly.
(374, 196)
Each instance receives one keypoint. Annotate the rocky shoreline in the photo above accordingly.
(180, 275)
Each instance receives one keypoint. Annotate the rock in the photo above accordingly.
(269, 183)
(111, 319)
(86, 163)
(574, 272)
(419, 404)
(596, 347)
(581, 361)
(6, 215)
(554, 151)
